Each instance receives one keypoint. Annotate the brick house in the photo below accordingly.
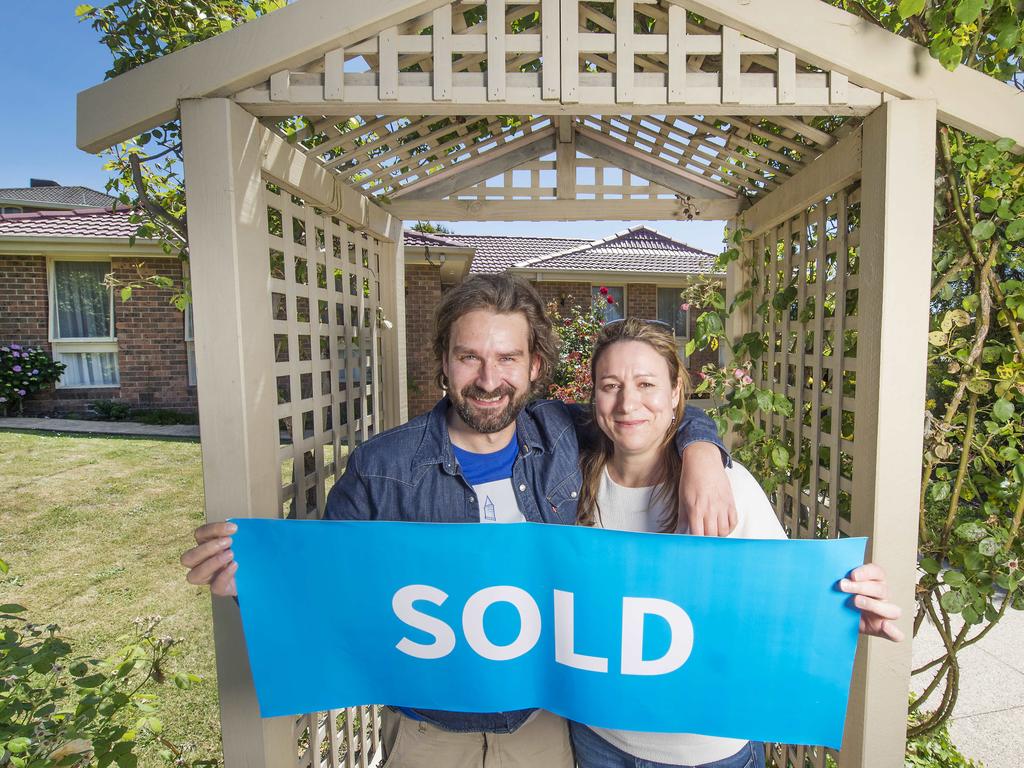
(139, 352)
(643, 270)
(52, 266)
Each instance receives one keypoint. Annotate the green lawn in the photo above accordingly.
(92, 528)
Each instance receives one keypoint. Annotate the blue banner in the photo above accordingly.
(648, 632)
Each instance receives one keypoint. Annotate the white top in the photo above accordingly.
(630, 509)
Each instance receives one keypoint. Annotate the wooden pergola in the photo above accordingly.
(800, 123)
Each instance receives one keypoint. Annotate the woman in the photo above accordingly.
(630, 479)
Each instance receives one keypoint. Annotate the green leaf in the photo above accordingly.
(691, 347)
(968, 10)
(954, 578)
(988, 547)
(765, 400)
(780, 456)
(1003, 409)
(18, 745)
(983, 230)
(1015, 231)
(82, 10)
(4, 567)
(937, 338)
(908, 8)
(929, 565)
(970, 531)
(973, 561)
(12, 608)
(989, 205)
(939, 491)
(952, 601)
(1006, 38)
(126, 293)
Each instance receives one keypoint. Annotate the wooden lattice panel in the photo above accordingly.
(645, 52)
(324, 297)
(811, 358)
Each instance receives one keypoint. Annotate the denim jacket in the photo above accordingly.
(389, 477)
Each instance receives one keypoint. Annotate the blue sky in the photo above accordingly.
(54, 57)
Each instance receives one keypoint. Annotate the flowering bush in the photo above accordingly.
(577, 327)
(24, 370)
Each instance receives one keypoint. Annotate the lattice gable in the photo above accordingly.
(591, 157)
(644, 52)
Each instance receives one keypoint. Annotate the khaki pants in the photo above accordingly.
(543, 742)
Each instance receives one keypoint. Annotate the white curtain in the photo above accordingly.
(89, 369)
(82, 301)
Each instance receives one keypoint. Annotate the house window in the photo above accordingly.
(82, 324)
(612, 311)
(670, 311)
(10, 209)
(190, 345)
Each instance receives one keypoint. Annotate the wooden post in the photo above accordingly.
(392, 282)
(237, 392)
(895, 271)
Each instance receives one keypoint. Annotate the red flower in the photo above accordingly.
(603, 291)
(611, 300)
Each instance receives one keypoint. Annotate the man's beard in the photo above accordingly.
(488, 423)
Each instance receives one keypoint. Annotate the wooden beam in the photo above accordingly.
(123, 107)
(646, 165)
(565, 159)
(465, 174)
(897, 193)
(833, 170)
(562, 210)
(832, 39)
(237, 401)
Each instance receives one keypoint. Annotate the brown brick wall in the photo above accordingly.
(642, 300)
(151, 346)
(564, 294)
(422, 295)
(150, 340)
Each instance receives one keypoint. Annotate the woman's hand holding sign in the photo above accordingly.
(877, 615)
(211, 561)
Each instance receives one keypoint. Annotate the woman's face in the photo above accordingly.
(634, 399)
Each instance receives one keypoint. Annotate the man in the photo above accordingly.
(485, 453)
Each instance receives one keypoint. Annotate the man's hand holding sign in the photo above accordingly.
(668, 648)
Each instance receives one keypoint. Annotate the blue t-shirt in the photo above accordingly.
(490, 474)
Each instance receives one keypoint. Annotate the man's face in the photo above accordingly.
(489, 368)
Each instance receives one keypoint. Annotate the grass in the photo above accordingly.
(92, 528)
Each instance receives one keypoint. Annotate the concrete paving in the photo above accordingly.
(88, 427)
(988, 719)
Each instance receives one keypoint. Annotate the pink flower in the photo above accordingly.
(611, 300)
(603, 291)
(685, 307)
(747, 380)
(702, 374)
(739, 373)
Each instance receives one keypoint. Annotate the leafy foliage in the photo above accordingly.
(23, 371)
(577, 327)
(59, 708)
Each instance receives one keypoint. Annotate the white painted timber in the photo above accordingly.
(563, 210)
(242, 57)
(231, 292)
(832, 39)
(895, 275)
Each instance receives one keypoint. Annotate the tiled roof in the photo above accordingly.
(79, 197)
(496, 253)
(414, 238)
(639, 249)
(81, 222)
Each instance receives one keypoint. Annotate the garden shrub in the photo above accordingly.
(110, 410)
(23, 371)
(59, 707)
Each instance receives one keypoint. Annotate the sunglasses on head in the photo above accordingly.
(659, 324)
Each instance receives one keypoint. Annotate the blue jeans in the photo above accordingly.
(594, 752)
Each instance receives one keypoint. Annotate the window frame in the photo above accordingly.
(77, 345)
(681, 340)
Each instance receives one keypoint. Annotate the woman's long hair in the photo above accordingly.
(594, 458)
